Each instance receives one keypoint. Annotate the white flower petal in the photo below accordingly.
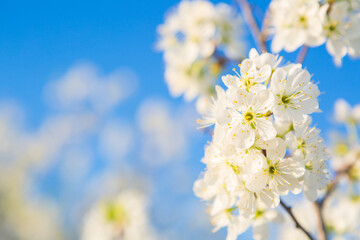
(257, 181)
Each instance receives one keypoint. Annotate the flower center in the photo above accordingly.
(331, 27)
(235, 168)
(258, 213)
(301, 143)
(249, 116)
(248, 82)
(285, 99)
(115, 213)
(303, 21)
(308, 166)
(272, 170)
(341, 149)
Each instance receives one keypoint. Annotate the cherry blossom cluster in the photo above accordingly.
(263, 145)
(123, 217)
(294, 23)
(197, 44)
(340, 206)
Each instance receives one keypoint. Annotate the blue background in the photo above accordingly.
(40, 40)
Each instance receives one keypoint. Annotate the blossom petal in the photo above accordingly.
(257, 181)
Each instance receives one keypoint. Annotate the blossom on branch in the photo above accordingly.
(294, 23)
(250, 163)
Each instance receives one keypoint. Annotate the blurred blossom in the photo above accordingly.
(76, 163)
(116, 140)
(346, 150)
(11, 135)
(292, 233)
(346, 114)
(342, 208)
(339, 150)
(197, 44)
(294, 23)
(83, 87)
(123, 217)
(55, 134)
(62, 148)
(342, 216)
(164, 132)
(20, 216)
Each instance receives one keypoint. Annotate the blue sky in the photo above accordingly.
(40, 41)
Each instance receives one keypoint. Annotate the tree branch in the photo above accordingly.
(297, 224)
(319, 205)
(332, 186)
(302, 54)
(322, 233)
(253, 26)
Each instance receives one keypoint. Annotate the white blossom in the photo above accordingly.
(304, 139)
(294, 23)
(124, 217)
(264, 59)
(344, 113)
(341, 28)
(250, 77)
(316, 176)
(250, 117)
(279, 173)
(296, 96)
(261, 223)
(212, 110)
(197, 44)
(246, 167)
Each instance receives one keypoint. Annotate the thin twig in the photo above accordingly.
(332, 186)
(322, 233)
(251, 22)
(297, 224)
(319, 205)
(302, 54)
(265, 27)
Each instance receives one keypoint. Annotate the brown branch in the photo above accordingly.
(319, 205)
(265, 25)
(297, 224)
(322, 233)
(253, 26)
(302, 54)
(332, 186)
